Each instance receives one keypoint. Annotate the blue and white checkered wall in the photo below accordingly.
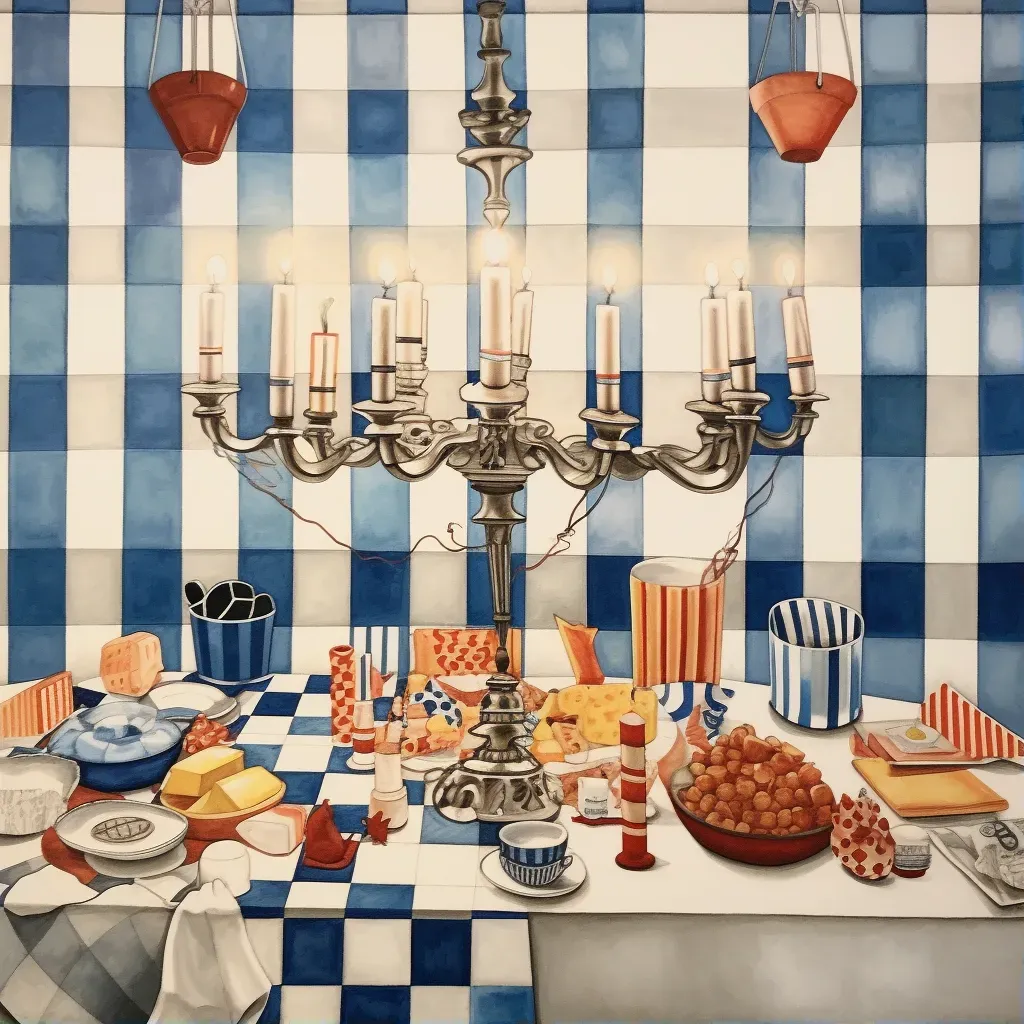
(906, 500)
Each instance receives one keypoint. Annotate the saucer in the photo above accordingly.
(568, 881)
(138, 868)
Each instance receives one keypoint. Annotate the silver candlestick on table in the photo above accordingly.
(497, 452)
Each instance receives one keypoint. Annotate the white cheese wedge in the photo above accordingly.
(275, 832)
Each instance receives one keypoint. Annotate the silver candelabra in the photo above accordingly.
(497, 451)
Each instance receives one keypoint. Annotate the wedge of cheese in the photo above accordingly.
(197, 774)
(131, 664)
(238, 792)
(606, 704)
(29, 709)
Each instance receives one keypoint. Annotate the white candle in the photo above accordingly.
(282, 346)
(211, 324)
(409, 329)
(798, 337)
(495, 317)
(522, 317)
(426, 318)
(714, 337)
(383, 314)
(740, 318)
(607, 350)
(323, 366)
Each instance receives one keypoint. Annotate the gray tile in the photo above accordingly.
(952, 417)
(954, 113)
(679, 255)
(735, 616)
(695, 117)
(559, 120)
(848, 132)
(209, 567)
(95, 255)
(558, 587)
(837, 429)
(319, 121)
(766, 251)
(93, 586)
(664, 420)
(832, 256)
(376, 51)
(321, 588)
(366, 245)
(5, 111)
(558, 253)
(559, 397)
(953, 254)
(437, 589)
(439, 253)
(954, 6)
(433, 122)
(950, 601)
(96, 116)
(836, 581)
(96, 414)
(444, 401)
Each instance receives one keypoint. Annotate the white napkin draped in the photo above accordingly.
(211, 974)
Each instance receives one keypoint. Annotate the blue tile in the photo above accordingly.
(152, 500)
(615, 6)
(265, 122)
(1002, 6)
(318, 684)
(377, 190)
(615, 44)
(41, 6)
(377, 52)
(616, 526)
(776, 533)
(272, 1011)
(608, 590)
(771, 342)
(501, 1004)
(377, 7)
(893, 331)
(152, 255)
(40, 49)
(1001, 414)
(614, 186)
(37, 496)
(265, 189)
(893, 256)
(151, 586)
(39, 115)
(378, 122)
(263, 754)
(894, 115)
(264, 899)
(380, 511)
(380, 901)
(38, 325)
(152, 180)
(277, 704)
(478, 591)
(894, 6)
(615, 118)
(1001, 527)
(152, 333)
(893, 185)
(313, 951)
(614, 649)
(142, 126)
(777, 59)
(152, 412)
(893, 47)
(893, 667)
(1001, 329)
(270, 572)
(1000, 611)
(1002, 112)
(776, 191)
(1000, 670)
(777, 415)
(756, 668)
(892, 599)
(307, 725)
(38, 421)
(35, 586)
(441, 952)
(416, 792)
(437, 830)
(39, 254)
(34, 651)
(375, 1004)
(302, 787)
(1002, 254)
(767, 583)
(893, 418)
(267, 46)
(380, 589)
(892, 519)
(1002, 48)
(138, 45)
(1002, 178)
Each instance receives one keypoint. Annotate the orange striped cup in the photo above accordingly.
(677, 622)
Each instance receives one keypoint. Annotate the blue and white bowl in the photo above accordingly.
(815, 662)
(533, 852)
(232, 655)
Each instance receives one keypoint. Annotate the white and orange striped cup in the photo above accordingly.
(677, 622)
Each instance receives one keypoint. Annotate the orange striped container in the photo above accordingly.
(677, 622)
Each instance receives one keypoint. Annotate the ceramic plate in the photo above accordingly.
(74, 828)
(569, 881)
(197, 696)
(149, 868)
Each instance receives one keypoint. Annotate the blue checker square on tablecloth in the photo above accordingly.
(313, 951)
(264, 899)
(441, 951)
(264, 754)
(318, 684)
(309, 726)
(379, 900)
(277, 704)
(501, 1004)
(375, 1004)
(302, 787)
(440, 831)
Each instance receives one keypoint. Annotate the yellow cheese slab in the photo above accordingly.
(197, 774)
(238, 792)
(606, 704)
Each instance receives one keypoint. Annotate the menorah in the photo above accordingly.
(499, 448)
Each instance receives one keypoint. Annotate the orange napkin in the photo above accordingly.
(326, 847)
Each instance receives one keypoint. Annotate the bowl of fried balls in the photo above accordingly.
(754, 800)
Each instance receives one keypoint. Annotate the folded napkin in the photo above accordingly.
(211, 974)
(1000, 846)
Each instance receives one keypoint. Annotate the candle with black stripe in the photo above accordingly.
(799, 359)
(606, 349)
(383, 316)
(740, 316)
(323, 367)
(211, 324)
(282, 346)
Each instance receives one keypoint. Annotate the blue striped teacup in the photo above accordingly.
(533, 852)
(232, 652)
(815, 662)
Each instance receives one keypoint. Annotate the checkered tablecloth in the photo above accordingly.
(410, 932)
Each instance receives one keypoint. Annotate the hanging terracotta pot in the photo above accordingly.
(198, 108)
(801, 110)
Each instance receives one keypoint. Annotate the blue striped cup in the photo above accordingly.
(533, 852)
(815, 662)
(230, 653)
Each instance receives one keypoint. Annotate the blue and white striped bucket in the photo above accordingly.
(229, 653)
(816, 662)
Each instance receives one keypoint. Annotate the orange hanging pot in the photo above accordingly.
(198, 108)
(801, 110)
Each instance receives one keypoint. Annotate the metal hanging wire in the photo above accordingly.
(194, 11)
(798, 9)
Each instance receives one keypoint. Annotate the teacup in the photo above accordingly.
(533, 852)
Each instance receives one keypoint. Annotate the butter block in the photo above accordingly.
(238, 792)
(275, 832)
(197, 774)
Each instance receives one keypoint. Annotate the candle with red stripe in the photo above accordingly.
(606, 348)
(363, 737)
(634, 855)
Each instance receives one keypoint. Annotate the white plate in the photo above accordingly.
(568, 881)
(149, 868)
(422, 763)
(197, 696)
(74, 829)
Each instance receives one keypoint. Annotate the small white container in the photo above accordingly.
(593, 798)
(227, 860)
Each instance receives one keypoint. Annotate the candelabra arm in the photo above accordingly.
(799, 426)
(354, 452)
(575, 462)
(445, 439)
(212, 415)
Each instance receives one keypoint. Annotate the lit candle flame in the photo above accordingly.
(286, 269)
(711, 276)
(386, 272)
(495, 248)
(412, 270)
(739, 268)
(527, 274)
(216, 270)
(789, 272)
(608, 279)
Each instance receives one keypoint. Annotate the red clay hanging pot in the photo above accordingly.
(801, 110)
(198, 108)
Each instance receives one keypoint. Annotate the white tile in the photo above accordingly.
(320, 189)
(6, 48)
(548, 201)
(287, 683)
(696, 186)
(303, 759)
(952, 323)
(705, 51)
(952, 661)
(267, 938)
(439, 1004)
(95, 510)
(501, 953)
(96, 329)
(953, 182)
(306, 1004)
(377, 952)
(545, 656)
(708, 518)
(436, 52)
(394, 864)
(834, 318)
(319, 52)
(346, 788)
(209, 194)
(951, 510)
(273, 869)
(437, 190)
(734, 654)
(320, 899)
(310, 645)
(446, 327)
(314, 705)
(265, 725)
(550, 504)
(447, 898)
(447, 865)
(436, 501)
(329, 505)
(82, 645)
(95, 50)
(208, 482)
(412, 830)
(17, 850)
(556, 51)
(832, 189)
(559, 340)
(954, 49)
(832, 508)
(671, 327)
(96, 186)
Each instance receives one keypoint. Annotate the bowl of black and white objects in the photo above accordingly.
(233, 631)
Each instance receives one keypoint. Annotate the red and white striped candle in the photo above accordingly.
(633, 782)
(363, 737)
